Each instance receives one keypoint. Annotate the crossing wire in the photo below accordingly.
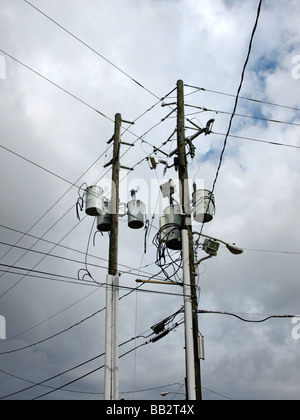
(92, 49)
(56, 85)
(242, 97)
(137, 138)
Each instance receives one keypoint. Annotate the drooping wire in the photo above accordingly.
(165, 260)
(80, 200)
(259, 321)
(86, 269)
(235, 105)
(238, 94)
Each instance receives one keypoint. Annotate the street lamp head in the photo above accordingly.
(234, 249)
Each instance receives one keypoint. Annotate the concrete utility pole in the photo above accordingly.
(111, 380)
(193, 380)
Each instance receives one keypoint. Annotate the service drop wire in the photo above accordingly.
(87, 272)
(259, 321)
(41, 383)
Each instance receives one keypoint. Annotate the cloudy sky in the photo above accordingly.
(61, 87)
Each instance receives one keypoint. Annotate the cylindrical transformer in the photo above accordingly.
(204, 206)
(104, 219)
(136, 214)
(94, 200)
(169, 224)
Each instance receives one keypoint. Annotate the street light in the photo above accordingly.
(235, 250)
(164, 394)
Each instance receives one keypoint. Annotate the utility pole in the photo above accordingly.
(193, 380)
(111, 380)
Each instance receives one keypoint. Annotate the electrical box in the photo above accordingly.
(170, 225)
(211, 247)
(93, 200)
(168, 188)
(136, 214)
(204, 206)
(104, 219)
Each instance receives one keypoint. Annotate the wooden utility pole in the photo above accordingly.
(114, 204)
(111, 381)
(193, 380)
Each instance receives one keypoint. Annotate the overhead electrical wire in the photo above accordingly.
(167, 320)
(38, 166)
(138, 137)
(216, 111)
(243, 97)
(273, 143)
(91, 49)
(248, 320)
(44, 275)
(53, 335)
(45, 254)
(41, 383)
(227, 135)
(130, 270)
(49, 318)
(53, 389)
(236, 102)
(51, 207)
(56, 85)
(238, 93)
(153, 340)
(65, 179)
(131, 290)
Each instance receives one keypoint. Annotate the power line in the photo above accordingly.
(217, 393)
(61, 219)
(237, 95)
(50, 317)
(56, 85)
(45, 254)
(131, 289)
(247, 320)
(138, 137)
(272, 251)
(101, 367)
(216, 111)
(92, 49)
(245, 98)
(41, 383)
(84, 172)
(38, 166)
(50, 276)
(132, 271)
(12, 246)
(273, 143)
(53, 335)
(89, 373)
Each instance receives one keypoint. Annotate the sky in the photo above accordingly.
(66, 68)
